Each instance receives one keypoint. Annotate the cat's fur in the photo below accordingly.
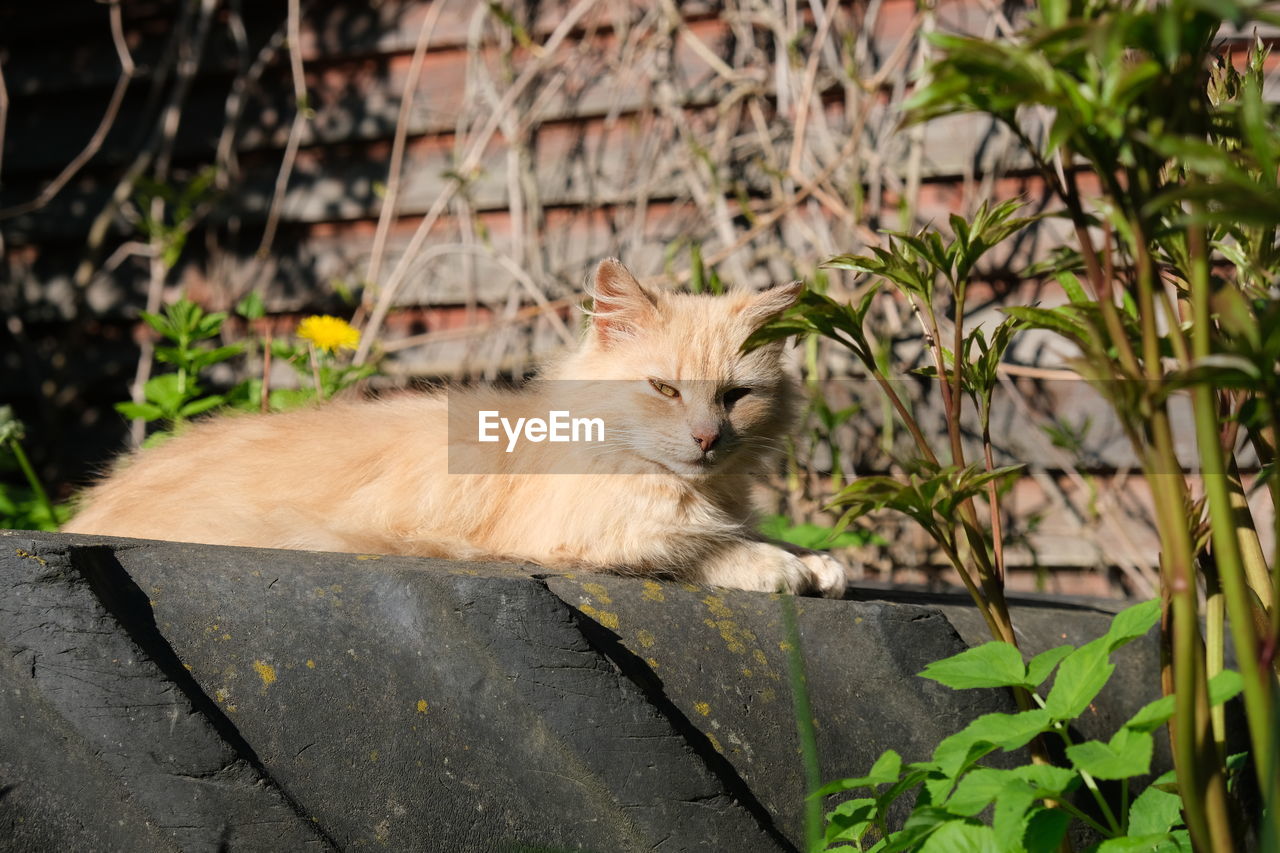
(381, 477)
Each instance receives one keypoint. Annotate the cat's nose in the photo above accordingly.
(706, 439)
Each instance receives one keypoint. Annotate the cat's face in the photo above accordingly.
(696, 403)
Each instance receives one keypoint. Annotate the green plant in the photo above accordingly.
(963, 804)
(1178, 298)
(173, 398)
(1180, 262)
(323, 372)
(166, 213)
(24, 507)
(809, 535)
(940, 495)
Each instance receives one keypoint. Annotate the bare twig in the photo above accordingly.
(807, 91)
(190, 49)
(301, 113)
(264, 395)
(91, 148)
(915, 135)
(469, 163)
(188, 61)
(395, 170)
(225, 154)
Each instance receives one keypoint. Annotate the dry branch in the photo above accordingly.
(91, 148)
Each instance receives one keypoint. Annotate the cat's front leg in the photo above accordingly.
(765, 567)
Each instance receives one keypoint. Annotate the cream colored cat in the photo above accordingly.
(689, 424)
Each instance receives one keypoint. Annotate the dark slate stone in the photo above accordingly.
(204, 697)
(719, 657)
(111, 744)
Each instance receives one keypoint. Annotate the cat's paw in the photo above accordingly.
(824, 575)
(762, 567)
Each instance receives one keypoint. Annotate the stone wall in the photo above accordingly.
(161, 696)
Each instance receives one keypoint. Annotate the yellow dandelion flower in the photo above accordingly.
(329, 333)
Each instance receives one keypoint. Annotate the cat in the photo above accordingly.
(690, 423)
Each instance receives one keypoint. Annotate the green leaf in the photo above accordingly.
(282, 399)
(1139, 844)
(1235, 315)
(959, 836)
(1045, 830)
(209, 325)
(1127, 754)
(916, 774)
(1132, 622)
(975, 791)
(1011, 814)
(1225, 686)
(200, 359)
(173, 355)
(850, 820)
(1042, 664)
(146, 411)
(986, 733)
(888, 768)
(1154, 811)
(994, 664)
(173, 245)
(853, 263)
(156, 439)
(164, 391)
(1081, 675)
(160, 324)
(1153, 715)
(1060, 320)
(282, 348)
(203, 404)
(1054, 12)
(922, 821)
(813, 535)
(1085, 671)
(1047, 780)
(1073, 288)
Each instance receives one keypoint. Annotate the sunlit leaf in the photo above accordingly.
(993, 664)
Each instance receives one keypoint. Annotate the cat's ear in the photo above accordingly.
(620, 304)
(768, 304)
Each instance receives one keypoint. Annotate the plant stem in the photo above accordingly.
(1092, 785)
(27, 471)
(953, 402)
(315, 371)
(1060, 729)
(909, 422)
(993, 502)
(1255, 561)
(948, 548)
(1215, 615)
(1226, 547)
(1069, 192)
(264, 396)
(804, 724)
(1083, 818)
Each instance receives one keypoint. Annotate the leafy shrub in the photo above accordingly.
(1030, 807)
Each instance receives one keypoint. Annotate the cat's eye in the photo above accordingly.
(664, 389)
(733, 395)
